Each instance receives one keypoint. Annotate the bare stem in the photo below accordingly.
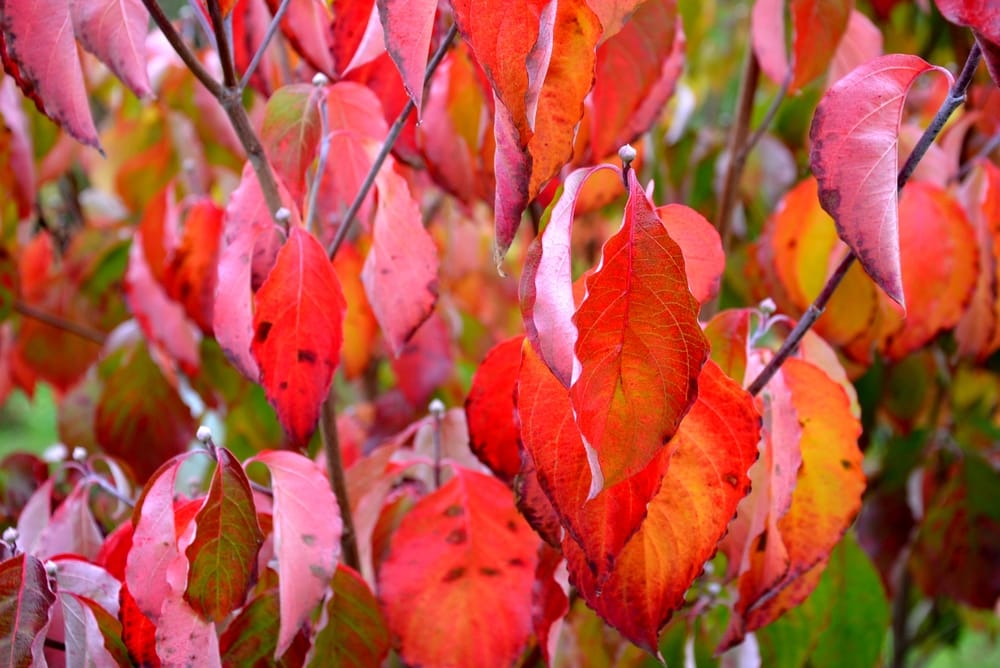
(222, 44)
(52, 320)
(956, 96)
(186, 54)
(338, 481)
(268, 36)
(390, 141)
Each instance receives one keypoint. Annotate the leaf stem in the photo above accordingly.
(52, 320)
(268, 36)
(956, 96)
(182, 50)
(324, 155)
(390, 141)
(338, 481)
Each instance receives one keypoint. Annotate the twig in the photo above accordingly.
(259, 55)
(992, 144)
(222, 45)
(324, 154)
(338, 481)
(390, 141)
(956, 97)
(52, 320)
(186, 54)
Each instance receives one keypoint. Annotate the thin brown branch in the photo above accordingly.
(177, 42)
(734, 145)
(338, 481)
(52, 320)
(390, 141)
(229, 78)
(956, 97)
(271, 30)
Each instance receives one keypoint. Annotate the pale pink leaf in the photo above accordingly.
(183, 638)
(861, 42)
(408, 26)
(115, 31)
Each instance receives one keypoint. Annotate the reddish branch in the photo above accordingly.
(52, 320)
(956, 97)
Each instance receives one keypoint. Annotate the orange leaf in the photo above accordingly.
(190, 277)
(298, 323)
(640, 347)
(462, 554)
(713, 449)
(360, 327)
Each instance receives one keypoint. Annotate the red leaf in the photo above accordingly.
(25, 601)
(862, 41)
(615, 13)
(425, 362)
(115, 31)
(714, 446)
(701, 246)
(635, 74)
(547, 303)
(463, 554)
(550, 603)
(980, 15)
(489, 409)
(298, 323)
(351, 632)
(640, 347)
(307, 530)
(817, 26)
(357, 35)
(854, 157)
(39, 51)
(223, 555)
(250, 240)
(291, 131)
(307, 27)
(190, 277)
(978, 331)
(408, 27)
(400, 272)
(360, 326)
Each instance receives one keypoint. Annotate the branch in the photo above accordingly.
(52, 320)
(335, 471)
(956, 96)
(390, 141)
(186, 54)
(222, 44)
(271, 29)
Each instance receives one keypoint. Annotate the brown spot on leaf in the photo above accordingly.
(453, 574)
(512, 526)
(489, 572)
(456, 537)
(846, 464)
(516, 562)
(762, 542)
(307, 356)
(454, 510)
(731, 479)
(263, 329)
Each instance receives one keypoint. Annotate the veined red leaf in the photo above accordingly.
(601, 525)
(190, 278)
(115, 31)
(978, 331)
(463, 553)
(298, 323)
(640, 347)
(636, 71)
(408, 27)
(250, 240)
(817, 26)
(400, 272)
(489, 409)
(854, 140)
(351, 632)
(826, 498)
(39, 51)
(223, 555)
(547, 304)
(25, 601)
(291, 131)
(307, 530)
(714, 447)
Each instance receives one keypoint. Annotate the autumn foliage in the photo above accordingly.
(374, 342)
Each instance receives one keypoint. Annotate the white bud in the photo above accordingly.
(626, 153)
(10, 535)
(436, 408)
(189, 165)
(709, 568)
(768, 307)
(57, 452)
(51, 568)
(282, 215)
(79, 454)
(713, 588)
(320, 79)
(204, 434)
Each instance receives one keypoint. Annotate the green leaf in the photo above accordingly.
(352, 631)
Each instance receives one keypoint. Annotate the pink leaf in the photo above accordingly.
(862, 41)
(704, 259)
(307, 529)
(39, 51)
(547, 304)
(298, 329)
(183, 638)
(408, 26)
(115, 31)
(854, 157)
(400, 272)
(82, 635)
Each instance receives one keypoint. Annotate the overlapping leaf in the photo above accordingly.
(298, 320)
(408, 28)
(351, 632)
(854, 157)
(291, 131)
(489, 408)
(25, 600)
(640, 347)
(978, 331)
(463, 553)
